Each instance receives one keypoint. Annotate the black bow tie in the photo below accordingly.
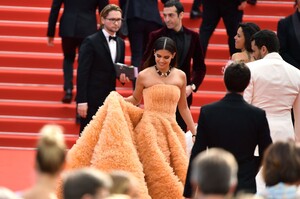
(111, 37)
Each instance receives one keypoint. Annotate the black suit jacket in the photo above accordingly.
(192, 53)
(96, 76)
(289, 44)
(236, 126)
(78, 18)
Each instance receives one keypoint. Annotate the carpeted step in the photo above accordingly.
(35, 44)
(33, 125)
(38, 92)
(54, 111)
(37, 109)
(55, 77)
(31, 75)
(273, 7)
(27, 140)
(20, 62)
(55, 93)
(54, 60)
(39, 45)
(39, 29)
(261, 8)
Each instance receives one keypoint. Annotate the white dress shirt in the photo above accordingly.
(112, 45)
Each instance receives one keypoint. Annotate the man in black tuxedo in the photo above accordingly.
(231, 11)
(78, 20)
(188, 49)
(142, 18)
(96, 76)
(234, 125)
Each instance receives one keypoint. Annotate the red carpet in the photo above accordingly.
(31, 76)
(17, 168)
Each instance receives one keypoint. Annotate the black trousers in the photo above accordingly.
(213, 11)
(138, 36)
(69, 47)
(196, 4)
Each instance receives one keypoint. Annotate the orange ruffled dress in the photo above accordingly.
(146, 142)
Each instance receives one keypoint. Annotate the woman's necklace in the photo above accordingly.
(166, 74)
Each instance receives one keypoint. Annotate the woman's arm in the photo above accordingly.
(183, 107)
(137, 95)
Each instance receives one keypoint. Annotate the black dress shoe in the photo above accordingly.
(194, 14)
(252, 2)
(67, 99)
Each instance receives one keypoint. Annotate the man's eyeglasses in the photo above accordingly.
(114, 20)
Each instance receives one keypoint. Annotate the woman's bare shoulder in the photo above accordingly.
(179, 72)
(237, 56)
(144, 72)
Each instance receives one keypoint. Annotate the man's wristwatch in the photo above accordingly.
(193, 87)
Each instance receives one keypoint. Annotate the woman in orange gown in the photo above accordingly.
(146, 142)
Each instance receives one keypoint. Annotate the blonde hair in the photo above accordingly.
(51, 149)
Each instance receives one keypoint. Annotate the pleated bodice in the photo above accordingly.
(161, 98)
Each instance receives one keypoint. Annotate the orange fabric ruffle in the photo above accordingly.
(149, 144)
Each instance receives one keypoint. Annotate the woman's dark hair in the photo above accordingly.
(162, 43)
(248, 29)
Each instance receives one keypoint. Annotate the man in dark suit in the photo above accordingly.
(142, 18)
(78, 20)
(231, 11)
(96, 76)
(288, 32)
(188, 49)
(234, 125)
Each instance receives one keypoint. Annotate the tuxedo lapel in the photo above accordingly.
(103, 39)
(118, 56)
(296, 23)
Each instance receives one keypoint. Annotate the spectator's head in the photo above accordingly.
(281, 163)
(51, 150)
(215, 172)
(264, 42)
(237, 77)
(86, 183)
(124, 183)
(111, 18)
(173, 14)
(244, 34)
(297, 4)
(164, 48)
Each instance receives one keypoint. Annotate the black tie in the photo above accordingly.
(111, 37)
